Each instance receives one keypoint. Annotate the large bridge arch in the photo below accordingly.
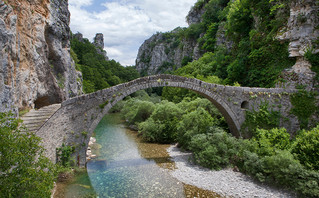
(179, 82)
(77, 118)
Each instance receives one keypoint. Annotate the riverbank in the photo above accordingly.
(224, 182)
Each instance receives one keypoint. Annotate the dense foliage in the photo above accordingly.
(306, 147)
(270, 155)
(24, 170)
(259, 119)
(98, 73)
(250, 54)
(314, 60)
(304, 106)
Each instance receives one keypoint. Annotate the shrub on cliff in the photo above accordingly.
(24, 170)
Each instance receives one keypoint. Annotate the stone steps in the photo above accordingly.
(34, 119)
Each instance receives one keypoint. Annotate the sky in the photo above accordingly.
(126, 24)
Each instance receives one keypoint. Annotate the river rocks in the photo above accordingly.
(224, 182)
(89, 154)
(35, 64)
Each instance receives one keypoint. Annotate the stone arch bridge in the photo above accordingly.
(74, 123)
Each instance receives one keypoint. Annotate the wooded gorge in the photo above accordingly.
(247, 43)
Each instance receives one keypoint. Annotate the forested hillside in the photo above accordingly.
(98, 73)
(249, 42)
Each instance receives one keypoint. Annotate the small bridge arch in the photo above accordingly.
(74, 123)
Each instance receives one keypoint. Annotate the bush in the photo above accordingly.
(217, 149)
(161, 126)
(284, 170)
(24, 170)
(306, 148)
(153, 131)
(314, 60)
(239, 20)
(268, 141)
(193, 123)
(136, 111)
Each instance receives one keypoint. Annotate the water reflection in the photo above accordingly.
(122, 170)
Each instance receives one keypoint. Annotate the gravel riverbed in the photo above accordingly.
(226, 182)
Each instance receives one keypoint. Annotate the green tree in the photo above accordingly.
(193, 123)
(136, 111)
(161, 126)
(24, 170)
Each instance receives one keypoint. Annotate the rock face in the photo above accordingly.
(221, 39)
(99, 40)
(99, 44)
(302, 32)
(165, 52)
(35, 64)
(195, 14)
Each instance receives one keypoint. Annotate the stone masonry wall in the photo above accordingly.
(74, 123)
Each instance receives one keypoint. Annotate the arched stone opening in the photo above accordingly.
(245, 105)
(42, 102)
(218, 103)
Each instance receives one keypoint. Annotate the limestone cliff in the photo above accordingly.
(168, 51)
(302, 32)
(35, 64)
(165, 52)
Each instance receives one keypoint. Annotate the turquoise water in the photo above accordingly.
(124, 170)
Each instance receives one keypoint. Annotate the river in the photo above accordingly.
(128, 167)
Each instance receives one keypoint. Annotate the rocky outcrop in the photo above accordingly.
(165, 52)
(221, 39)
(196, 12)
(99, 44)
(302, 33)
(35, 64)
(302, 27)
(78, 36)
(169, 51)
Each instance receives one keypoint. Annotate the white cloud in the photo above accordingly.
(80, 3)
(127, 23)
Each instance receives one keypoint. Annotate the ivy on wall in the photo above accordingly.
(304, 105)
